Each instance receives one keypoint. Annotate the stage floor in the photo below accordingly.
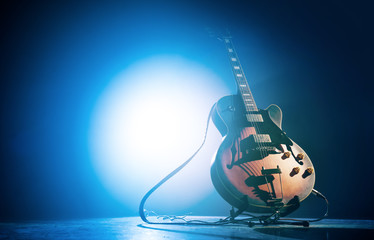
(134, 228)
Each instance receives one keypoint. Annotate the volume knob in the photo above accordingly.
(308, 172)
(294, 171)
(300, 156)
(286, 155)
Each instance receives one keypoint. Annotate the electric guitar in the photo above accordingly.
(257, 167)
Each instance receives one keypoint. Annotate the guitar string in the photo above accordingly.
(244, 134)
(252, 169)
(247, 164)
(236, 143)
(249, 167)
(233, 55)
(254, 125)
(229, 44)
(262, 147)
(227, 41)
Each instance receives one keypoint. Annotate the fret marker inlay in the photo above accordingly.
(242, 83)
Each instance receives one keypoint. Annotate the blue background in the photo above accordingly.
(314, 59)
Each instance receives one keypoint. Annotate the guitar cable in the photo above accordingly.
(264, 220)
(146, 196)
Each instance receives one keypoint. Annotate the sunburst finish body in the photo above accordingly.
(237, 174)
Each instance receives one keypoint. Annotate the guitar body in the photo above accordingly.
(258, 175)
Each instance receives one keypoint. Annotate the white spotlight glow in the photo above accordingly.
(148, 121)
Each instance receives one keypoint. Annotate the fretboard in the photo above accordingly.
(240, 78)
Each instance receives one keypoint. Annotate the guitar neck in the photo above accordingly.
(240, 78)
